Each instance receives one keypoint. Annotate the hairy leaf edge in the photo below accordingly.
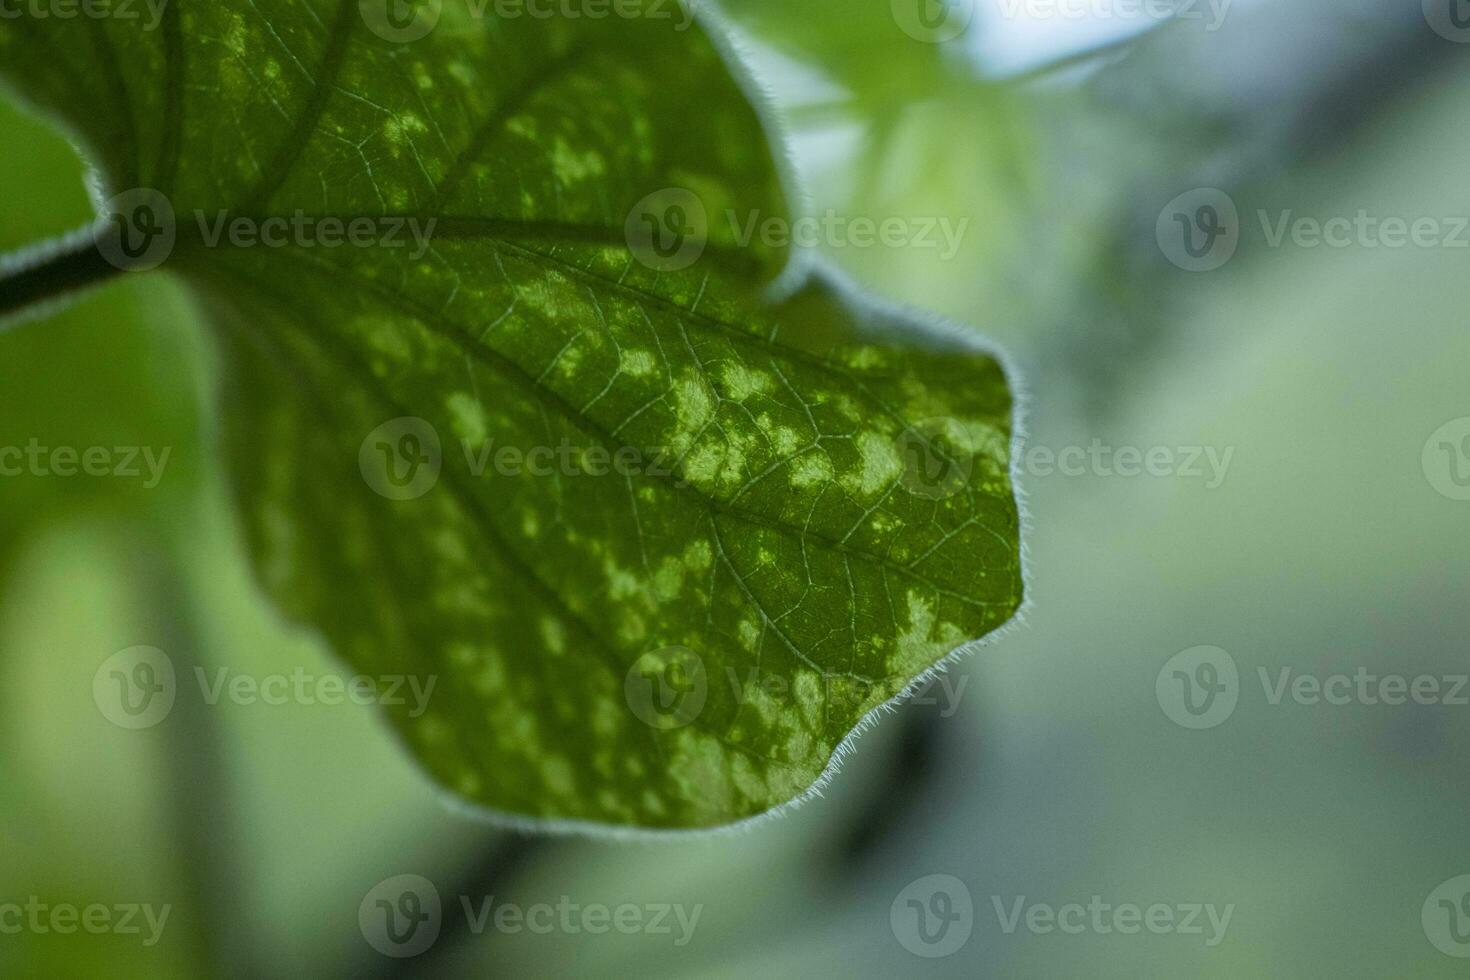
(802, 269)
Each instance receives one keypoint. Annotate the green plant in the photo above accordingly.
(763, 506)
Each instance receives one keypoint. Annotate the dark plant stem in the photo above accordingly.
(49, 273)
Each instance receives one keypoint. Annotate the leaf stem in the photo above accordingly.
(41, 275)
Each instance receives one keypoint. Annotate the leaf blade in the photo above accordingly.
(820, 508)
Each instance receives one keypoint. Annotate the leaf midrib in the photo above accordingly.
(355, 370)
(767, 345)
(456, 334)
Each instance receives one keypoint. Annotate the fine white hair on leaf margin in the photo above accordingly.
(803, 268)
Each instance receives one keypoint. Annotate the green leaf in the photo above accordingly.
(659, 541)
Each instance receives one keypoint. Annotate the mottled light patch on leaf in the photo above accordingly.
(810, 470)
(637, 363)
(468, 417)
(740, 382)
(878, 465)
(693, 471)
